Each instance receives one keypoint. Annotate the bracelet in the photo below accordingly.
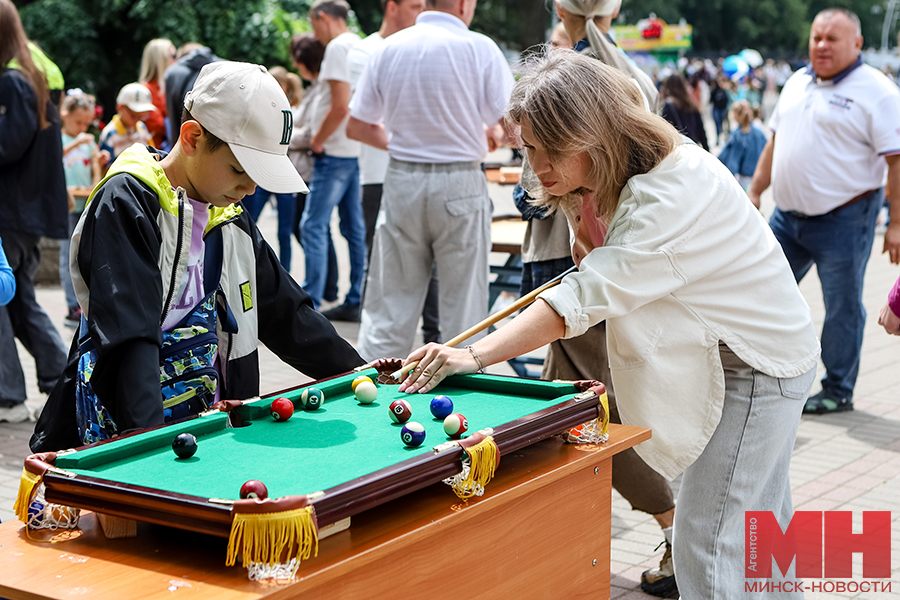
(477, 360)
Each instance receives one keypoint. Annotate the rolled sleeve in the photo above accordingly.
(565, 302)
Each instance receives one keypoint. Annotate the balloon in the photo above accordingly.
(735, 66)
(751, 57)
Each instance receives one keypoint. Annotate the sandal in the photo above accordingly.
(824, 402)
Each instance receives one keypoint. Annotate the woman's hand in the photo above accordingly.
(436, 363)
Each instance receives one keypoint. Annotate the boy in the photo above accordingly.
(139, 261)
(133, 105)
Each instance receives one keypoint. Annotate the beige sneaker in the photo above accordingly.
(14, 414)
(661, 582)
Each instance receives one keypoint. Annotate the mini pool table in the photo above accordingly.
(344, 457)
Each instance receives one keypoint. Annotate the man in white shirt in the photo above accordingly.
(836, 143)
(437, 88)
(373, 163)
(335, 181)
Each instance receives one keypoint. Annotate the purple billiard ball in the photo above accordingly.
(412, 434)
(441, 407)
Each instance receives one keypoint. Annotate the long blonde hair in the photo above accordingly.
(577, 104)
(156, 59)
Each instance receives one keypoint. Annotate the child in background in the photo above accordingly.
(744, 145)
(127, 128)
(81, 163)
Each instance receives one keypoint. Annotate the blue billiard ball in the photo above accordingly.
(412, 434)
(441, 407)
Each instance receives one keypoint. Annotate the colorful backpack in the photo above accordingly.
(187, 372)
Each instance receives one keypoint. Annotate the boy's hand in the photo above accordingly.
(83, 138)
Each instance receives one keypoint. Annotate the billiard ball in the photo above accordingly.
(455, 425)
(282, 409)
(401, 411)
(185, 445)
(441, 406)
(359, 380)
(366, 392)
(311, 398)
(254, 489)
(412, 434)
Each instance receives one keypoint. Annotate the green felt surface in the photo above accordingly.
(311, 451)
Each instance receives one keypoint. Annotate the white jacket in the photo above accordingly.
(687, 262)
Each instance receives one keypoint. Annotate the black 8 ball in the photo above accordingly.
(185, 445)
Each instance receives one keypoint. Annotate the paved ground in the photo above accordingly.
(841, 462)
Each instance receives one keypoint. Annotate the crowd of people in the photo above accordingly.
(678, 275)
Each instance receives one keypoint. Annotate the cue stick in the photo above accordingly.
(494, 318)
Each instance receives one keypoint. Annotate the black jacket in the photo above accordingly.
(119, 245)
(32, 182)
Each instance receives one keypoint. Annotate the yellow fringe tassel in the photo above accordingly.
(482, 465)
(264, 538)
(27, 485)
(604, 425)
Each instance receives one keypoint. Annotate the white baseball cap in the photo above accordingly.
(136, 97)
(243, 105)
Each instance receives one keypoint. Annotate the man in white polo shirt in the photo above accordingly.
(436, 87)
(373, 163)
(335, 180)
(836, 143)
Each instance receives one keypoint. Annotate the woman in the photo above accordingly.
(547, 254)
(33, 203)
(159, 54)
(710, 342)
(680, 110)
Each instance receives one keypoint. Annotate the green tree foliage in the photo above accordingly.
(98, 43)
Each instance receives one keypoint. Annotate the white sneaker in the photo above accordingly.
(15, 414)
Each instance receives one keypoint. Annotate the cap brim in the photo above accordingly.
(141, 108)
(272, 172)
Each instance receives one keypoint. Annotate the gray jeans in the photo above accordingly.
(743, 467)
(430, 214)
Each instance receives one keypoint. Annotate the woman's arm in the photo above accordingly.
(536, 326)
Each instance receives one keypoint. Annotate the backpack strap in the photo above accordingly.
(213, 259)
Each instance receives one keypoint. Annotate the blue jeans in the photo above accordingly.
(335, 182)
(286, 204)
(719, 115)
(839, 243)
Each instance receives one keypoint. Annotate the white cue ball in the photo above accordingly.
(366, 392)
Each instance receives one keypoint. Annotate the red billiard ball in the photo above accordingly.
(254, 489)
(282, 409)
(401, 411)
(455, 425)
